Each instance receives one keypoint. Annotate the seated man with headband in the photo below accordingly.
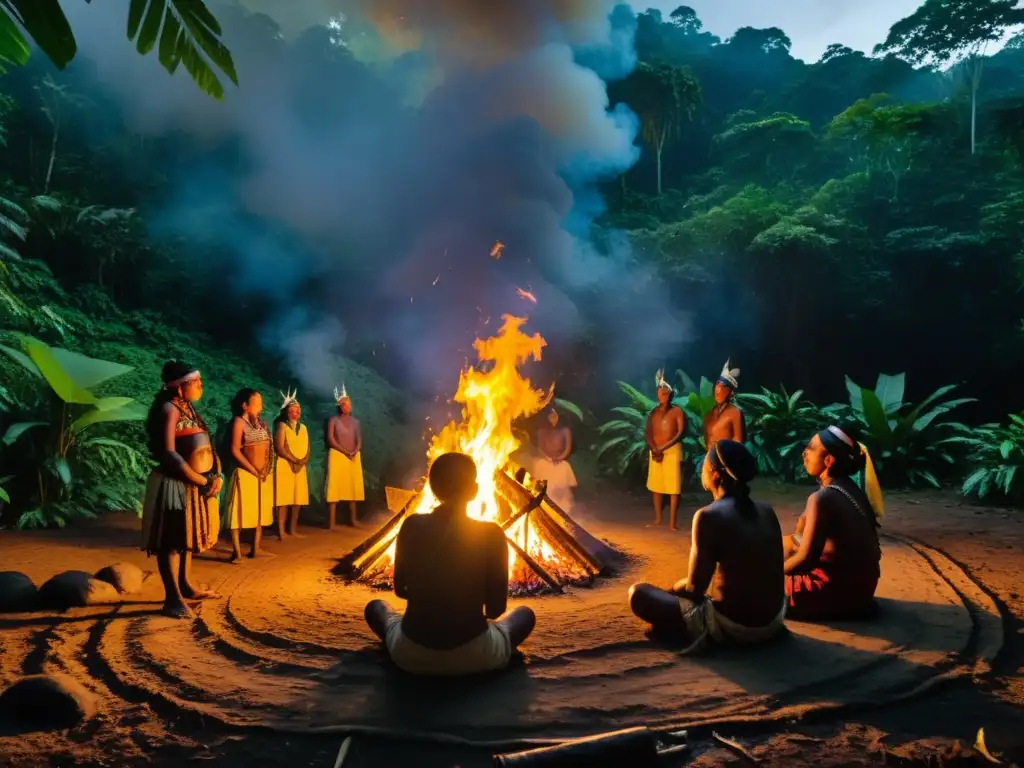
(832, 559)
(734, 591)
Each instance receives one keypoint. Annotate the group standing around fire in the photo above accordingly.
(744, 577)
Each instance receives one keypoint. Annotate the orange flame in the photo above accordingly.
(493, 396)
(496, 250)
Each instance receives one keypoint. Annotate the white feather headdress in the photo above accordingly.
(730, 375)
(342, 394)
(292, 396)
(659, 381)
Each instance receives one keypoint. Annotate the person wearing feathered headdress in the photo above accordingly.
(555, 444)
(725, 420)
(666, 424)
(833, 557)
(291, 480)
(344, 476)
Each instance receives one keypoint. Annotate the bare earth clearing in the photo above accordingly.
(286, 651)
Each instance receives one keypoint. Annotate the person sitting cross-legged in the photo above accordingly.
(734, 592)
(453, 571)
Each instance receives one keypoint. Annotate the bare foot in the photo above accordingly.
(298, 535)
(236, 558)
(260, 553)
(195, 595)
(177, 610)
(673, 527)
(655, 524)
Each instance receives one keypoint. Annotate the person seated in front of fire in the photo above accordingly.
(555, 444)
(291, 478)
(833, 557)
(734, 592)
(343, 481)
(453, 572)
(666, 424)
(725, 421)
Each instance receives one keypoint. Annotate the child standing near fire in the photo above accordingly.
(344, 477)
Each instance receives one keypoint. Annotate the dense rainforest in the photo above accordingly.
(847, 231)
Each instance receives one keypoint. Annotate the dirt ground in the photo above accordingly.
(287, 651)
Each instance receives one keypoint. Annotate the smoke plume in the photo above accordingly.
(400, 140)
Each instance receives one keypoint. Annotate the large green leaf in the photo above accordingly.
(876, 418)
(889, 390)
(187, 34)
(60, 379)
(854, 390)
(132, 411)
(22, 359)
(571, 407)
(17, 430)
(14, 48)
(46, 24)
(943, 408)
(88, 372)
(113, 403)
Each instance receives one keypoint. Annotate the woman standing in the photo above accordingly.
(291, 482)
(179, 514)
(250, 501)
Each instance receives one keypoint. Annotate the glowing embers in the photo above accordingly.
(547, 549)
(544, 553)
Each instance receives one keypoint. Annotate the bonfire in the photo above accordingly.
(547, 550)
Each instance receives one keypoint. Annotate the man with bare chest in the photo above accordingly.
(725, 422)
(344, 480)
(665, 427)
(555, 444)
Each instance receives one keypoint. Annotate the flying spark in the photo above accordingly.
(526, 295)
(497, 249)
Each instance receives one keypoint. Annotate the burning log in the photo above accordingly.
(553, 544)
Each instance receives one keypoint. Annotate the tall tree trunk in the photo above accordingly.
(658, 150)
(53, 159)
(976, 68)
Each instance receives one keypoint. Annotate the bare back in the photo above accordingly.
(453, 571)
(745, 543)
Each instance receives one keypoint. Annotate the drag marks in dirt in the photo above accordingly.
(286, 649)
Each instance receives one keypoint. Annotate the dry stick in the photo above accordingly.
(370, 551)
(559, 516)
(576, 550)
(537, 568)
(343, 752)
(735, 747)
(557, 536)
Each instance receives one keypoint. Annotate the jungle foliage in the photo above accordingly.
(816, 221)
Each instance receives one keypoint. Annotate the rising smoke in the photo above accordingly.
(476, 122)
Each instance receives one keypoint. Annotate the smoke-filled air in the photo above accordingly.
(654, 368)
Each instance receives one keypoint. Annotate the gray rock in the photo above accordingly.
(50, 701)
(17, 593)
(75, 589)
(125, 577)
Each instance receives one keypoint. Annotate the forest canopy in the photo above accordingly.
(699, 198)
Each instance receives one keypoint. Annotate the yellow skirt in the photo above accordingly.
(250, 502)
(344, 480)
(666, 476)
(291, 489)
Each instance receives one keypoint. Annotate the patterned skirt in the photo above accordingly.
(819, 596)
(177, 517)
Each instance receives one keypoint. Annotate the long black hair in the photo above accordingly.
(849, 460)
